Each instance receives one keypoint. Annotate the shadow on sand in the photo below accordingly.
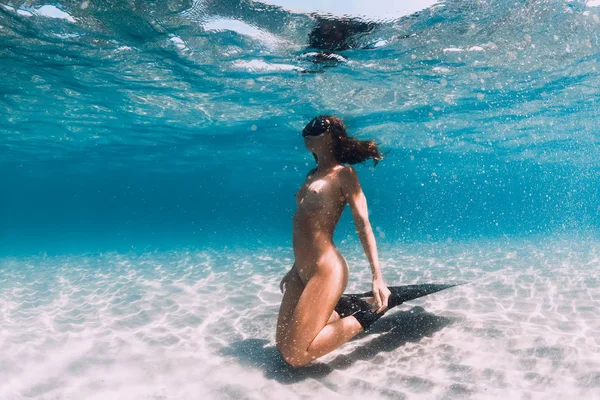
(395, 330)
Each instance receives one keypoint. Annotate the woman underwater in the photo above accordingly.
(314, 319)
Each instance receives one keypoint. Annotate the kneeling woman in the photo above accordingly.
(308, 325)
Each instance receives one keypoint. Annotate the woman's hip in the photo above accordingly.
(326, 262)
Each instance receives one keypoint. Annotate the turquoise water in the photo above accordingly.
(149, 153)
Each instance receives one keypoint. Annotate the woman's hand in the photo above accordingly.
(381, 294)
(284, 280)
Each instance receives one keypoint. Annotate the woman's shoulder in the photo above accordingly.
(348, 172)
(347, 178)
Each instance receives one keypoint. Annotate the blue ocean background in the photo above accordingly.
(150, 151)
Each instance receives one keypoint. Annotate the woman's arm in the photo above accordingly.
(358, 205)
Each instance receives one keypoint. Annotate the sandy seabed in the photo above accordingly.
(192, 324)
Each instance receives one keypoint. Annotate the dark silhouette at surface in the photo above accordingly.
(396, 330)
(330, 34)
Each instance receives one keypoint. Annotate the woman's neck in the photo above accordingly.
(327, 167)
(326, 162)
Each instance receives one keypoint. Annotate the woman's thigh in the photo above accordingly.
(293, 290)
(315, 306)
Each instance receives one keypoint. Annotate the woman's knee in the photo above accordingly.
(293, 357)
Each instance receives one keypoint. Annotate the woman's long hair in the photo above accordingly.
(349, 150)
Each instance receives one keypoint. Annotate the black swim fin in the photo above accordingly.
(400, 294)
(353, 304)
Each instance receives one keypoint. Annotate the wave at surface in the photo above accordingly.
(161, 118)
(160, 78)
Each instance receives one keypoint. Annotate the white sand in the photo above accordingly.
(200, 324)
